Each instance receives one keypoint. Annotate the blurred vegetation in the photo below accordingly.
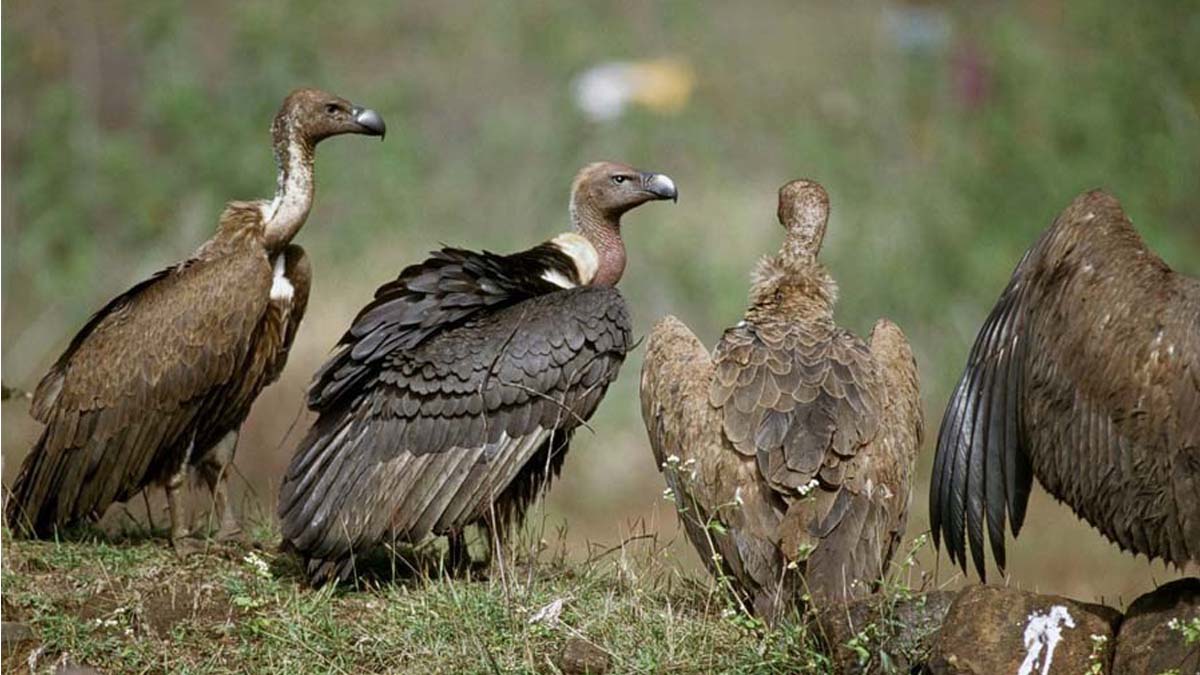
(948, 136)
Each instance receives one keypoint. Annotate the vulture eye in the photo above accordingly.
(331, 108)
(618, 179)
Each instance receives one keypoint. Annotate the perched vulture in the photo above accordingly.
(453, 396)
(789, 451)
(1087, 375)
(160, 379)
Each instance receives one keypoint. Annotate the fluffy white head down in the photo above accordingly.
(281, 286)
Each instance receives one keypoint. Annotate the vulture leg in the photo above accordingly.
(214, 468)
(458, 558)
(179, 529)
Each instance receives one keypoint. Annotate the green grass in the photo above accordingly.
(129, 125)
(132, 606)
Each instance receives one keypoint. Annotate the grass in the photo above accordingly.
(131, 606)
(130, 124)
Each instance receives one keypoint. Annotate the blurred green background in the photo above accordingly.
(949, 135)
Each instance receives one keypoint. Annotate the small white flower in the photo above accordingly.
(737, 496)
(669, 495)
(1099, 639)
(673, 460)
(261, 567)
(808, 487)
(793, 565)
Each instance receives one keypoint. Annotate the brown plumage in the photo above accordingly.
(789, 451)
(1087, 376)
(453, 396)
(160, 379)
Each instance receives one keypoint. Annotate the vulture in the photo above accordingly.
(159, 380)
(789, 451)
(452, 398)
(1086, 374)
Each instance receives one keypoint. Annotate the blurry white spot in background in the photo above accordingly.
(918, 26)
(605, 91)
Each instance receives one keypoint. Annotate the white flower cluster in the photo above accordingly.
(807, 488)
(261, 567)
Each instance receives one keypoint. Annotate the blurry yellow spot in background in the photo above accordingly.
(605, 91)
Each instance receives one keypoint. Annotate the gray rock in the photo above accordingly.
(580, 656)
(881, 634)
(1147, 642)
(13, 633)
(990, 630)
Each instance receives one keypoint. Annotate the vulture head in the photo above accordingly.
(803, 212)
(601, 193)
(793, 277)
(612, 188)
(312, 115)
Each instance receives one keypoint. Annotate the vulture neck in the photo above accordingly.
(294, 189)
(603, 231)
(805, 233)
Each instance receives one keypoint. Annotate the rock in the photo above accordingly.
(580, 656)
(990, 629)
(880, 634)
(13, 633)
(1148, 642)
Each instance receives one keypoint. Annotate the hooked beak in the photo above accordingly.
(370, 121)
(660, 185)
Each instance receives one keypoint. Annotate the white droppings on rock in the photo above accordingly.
(1042, 635)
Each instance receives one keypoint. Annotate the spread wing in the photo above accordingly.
(427, 298)
(131, 385)
(1089, 362)
(981, 427)
(432, 434)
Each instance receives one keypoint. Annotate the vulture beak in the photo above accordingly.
(370, 121)
(660, 185)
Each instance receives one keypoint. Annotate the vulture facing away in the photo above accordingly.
(1086, 375)
(453, 396)
(161, 378)
(789, 451)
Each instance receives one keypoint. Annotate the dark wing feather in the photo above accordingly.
(123, 401)
(973, 437)
(432, 435)
(431, 297)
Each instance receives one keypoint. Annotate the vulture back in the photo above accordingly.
(133, 390)
(796, 436)
(468, 425)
